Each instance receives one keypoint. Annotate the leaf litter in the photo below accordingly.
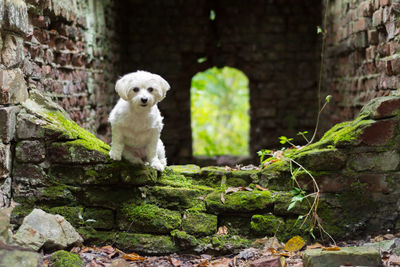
(263, 250)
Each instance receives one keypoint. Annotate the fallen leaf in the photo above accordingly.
(273, 242)
(222, 198)
(223, 262)
(133, 257)
(334, 248)
(175, 262)
(295, 244)
(202, 264)
(231, 190)
(284, 254)
(283, 261)
(315, 245)
(222, 230)
(261, 188)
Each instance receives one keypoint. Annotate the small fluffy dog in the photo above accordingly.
(136, 122)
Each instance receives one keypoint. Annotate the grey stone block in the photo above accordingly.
(8, 123)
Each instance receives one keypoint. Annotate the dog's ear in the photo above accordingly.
(164, 86)
(123, 90)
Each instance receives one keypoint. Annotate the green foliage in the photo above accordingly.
(219, 107)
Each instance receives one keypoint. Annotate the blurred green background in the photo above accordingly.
(220, 112)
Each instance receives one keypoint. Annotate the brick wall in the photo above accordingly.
(362, 55)
(70, 55)
(274, 43)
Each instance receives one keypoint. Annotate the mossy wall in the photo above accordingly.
(65, 170)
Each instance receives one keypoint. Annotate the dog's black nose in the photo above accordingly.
(144, 100)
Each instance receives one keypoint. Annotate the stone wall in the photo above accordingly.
(61, 48)
(63, 169)
(362, 55)
(70, 53)
(274, 43)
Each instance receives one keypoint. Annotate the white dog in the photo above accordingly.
(136, 122)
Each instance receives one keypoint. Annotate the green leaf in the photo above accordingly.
(201, 60)
(212, 14)
(319, 30)
(328, 98)
(291, 205)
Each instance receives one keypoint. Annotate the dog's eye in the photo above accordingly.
(136, 89)
(150, 89)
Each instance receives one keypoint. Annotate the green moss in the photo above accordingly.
(177, 198)
(295, 227)
(63, 258)
(345, 133)
(183, 239)
(59, 194)
(71, 214)
(148, 218)
(131, 242)
(189, 170)
(199, 224)
(242, 201)
(237, 224)
(222, 244)
(20, 211)
(267, 225)
(99, 218)
(283, 201)
(199, 207)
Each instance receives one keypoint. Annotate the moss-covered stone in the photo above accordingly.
(283, 201)
(99, 218)
(199, 224)
(242, 201)
(237, 224)
(189, 170)
(108, 197)
(184, 240)
(145, 244)
(19, 212)
(222, 244)
(326, 159)
(213, 176)
(295, 227)
(267, 225)
(77, 152)
(59, 194)
(177, 198)
(147, 218)
(236, 182)
(64, 258)
(276, 176)
(72, 214)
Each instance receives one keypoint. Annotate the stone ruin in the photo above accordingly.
(72, 52)
(63, 169)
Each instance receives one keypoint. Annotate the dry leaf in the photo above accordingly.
(334, 248)
(273, 242)
(222, 230)
(133, 257)
(223, 262)
(202, 264)
(175, 262)
(261, 188)
(315, 245)
(295, 244)
(284, 254)
(231, 190)
(283, 261)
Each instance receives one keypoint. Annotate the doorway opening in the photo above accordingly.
(220, 118)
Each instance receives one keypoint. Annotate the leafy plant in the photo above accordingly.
(219, 109)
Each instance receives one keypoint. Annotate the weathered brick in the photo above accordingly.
(365, 9)
(373, 37)
(377, 18)
(30, 151)
(16, 16)
(7, 123)
(379, 133)
(5, 159)
(13, 88)
(361, 24)
(13, 51)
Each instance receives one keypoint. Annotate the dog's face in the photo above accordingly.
(143, 89)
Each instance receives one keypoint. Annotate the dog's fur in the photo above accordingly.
(136, 122)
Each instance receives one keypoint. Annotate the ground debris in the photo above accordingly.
(269, 250)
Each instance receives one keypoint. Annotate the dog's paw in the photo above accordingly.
(114, 155)
(156, 164)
